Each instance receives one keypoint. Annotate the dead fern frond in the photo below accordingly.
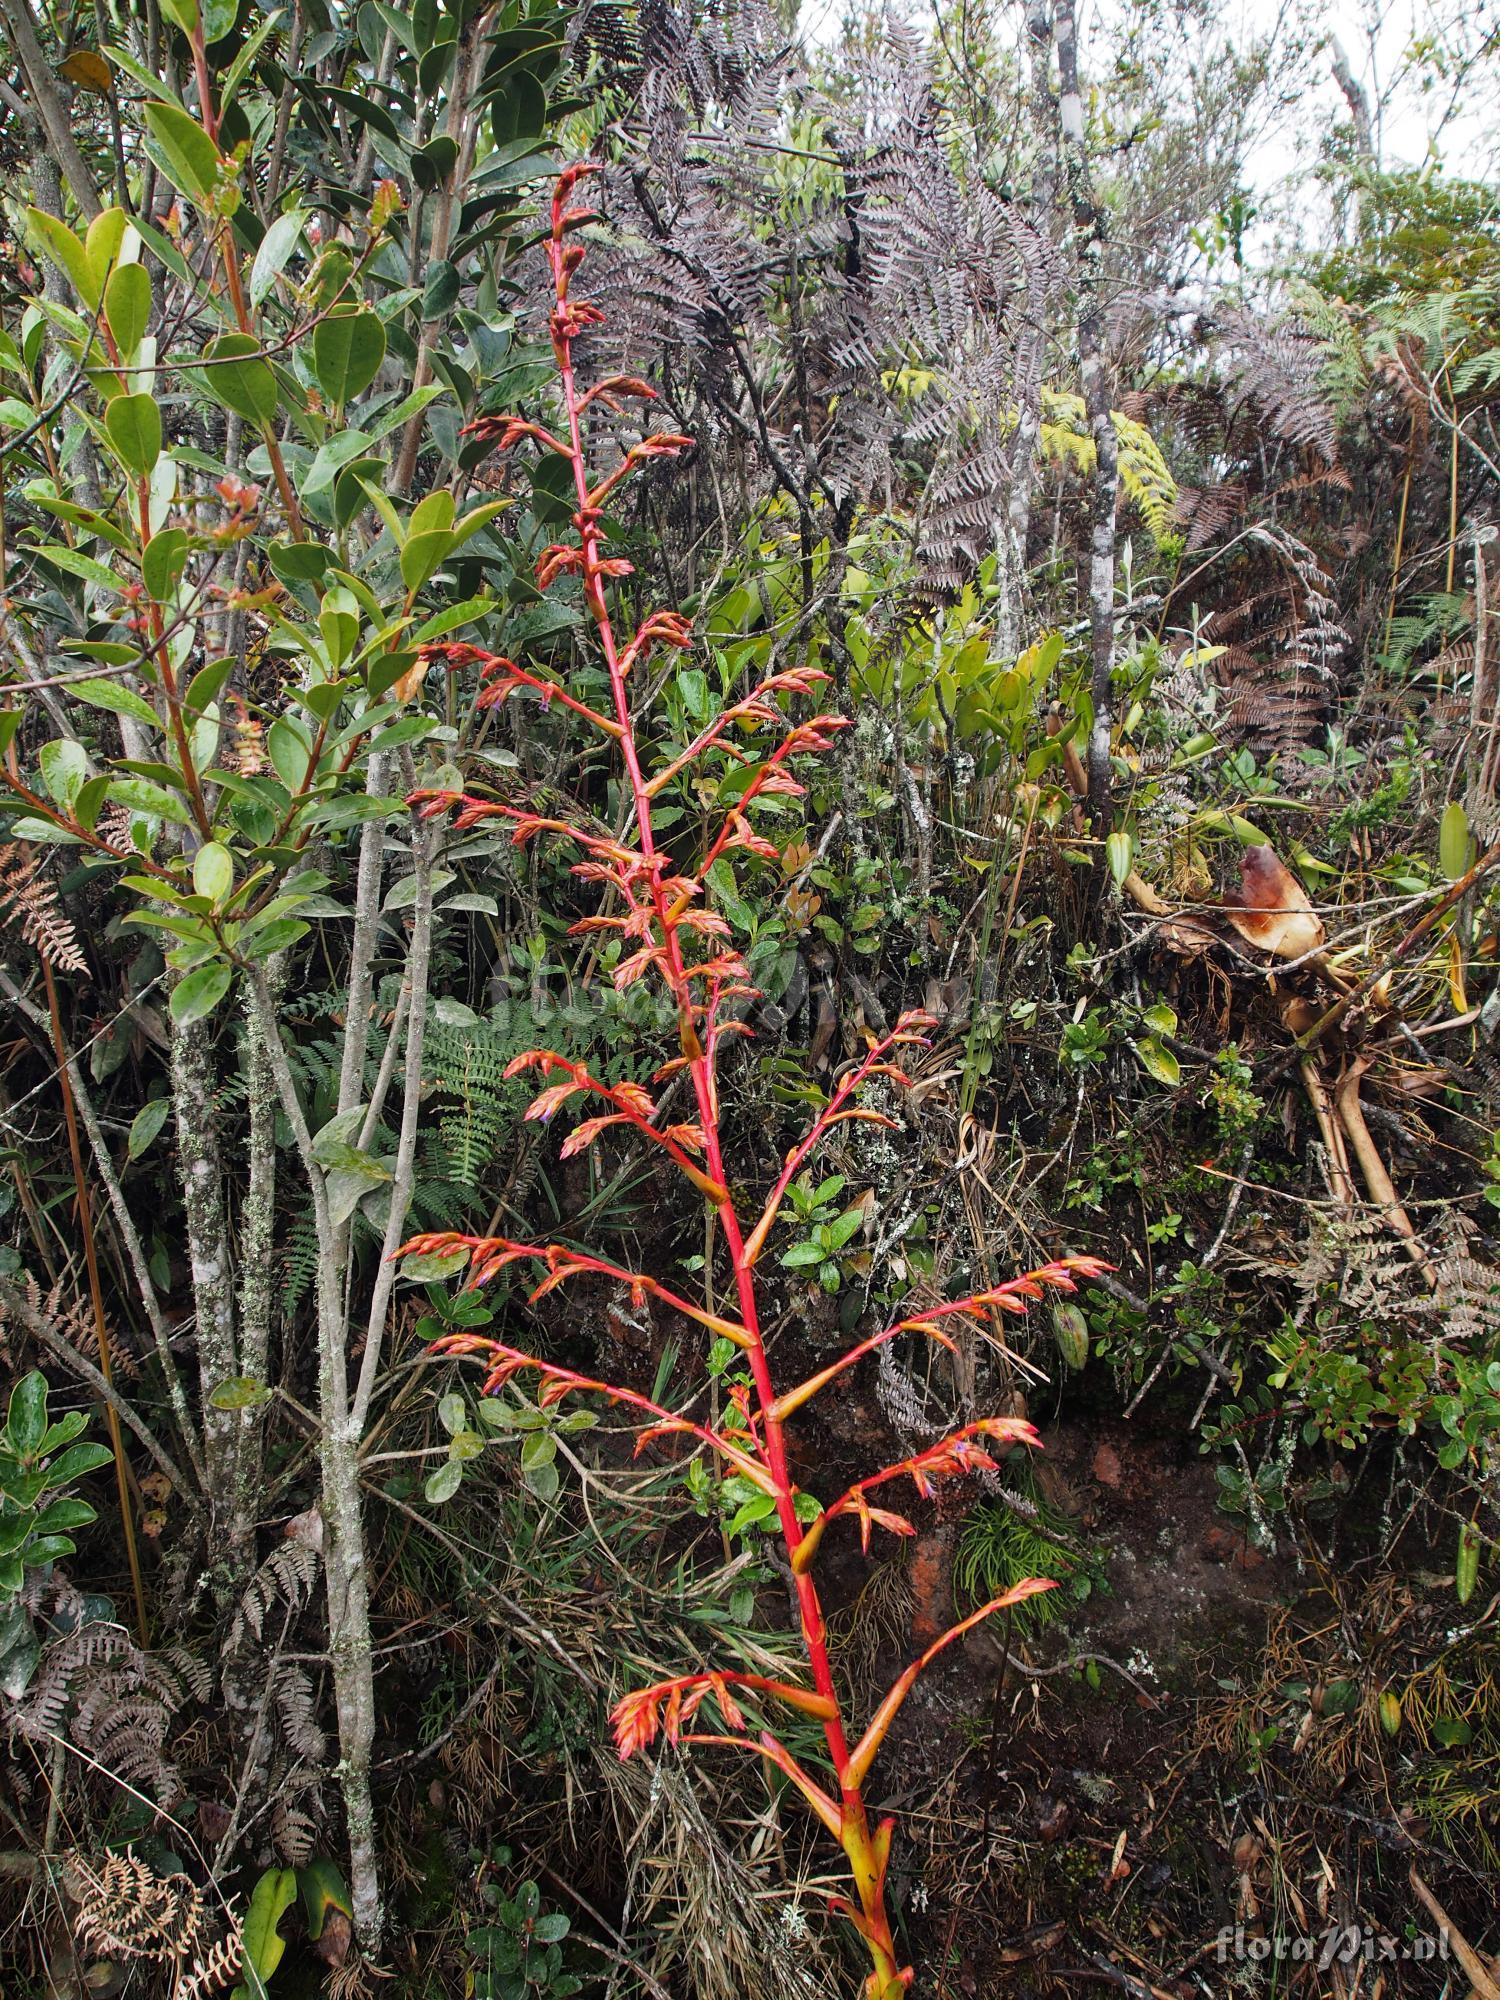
(215, 1968)
(127, 1910)
(28, 899)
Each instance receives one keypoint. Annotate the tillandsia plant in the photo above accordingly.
(661, 911)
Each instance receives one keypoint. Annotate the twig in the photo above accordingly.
(652, 1985)
(96, 1299)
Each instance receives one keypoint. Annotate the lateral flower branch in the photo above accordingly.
(660, 910)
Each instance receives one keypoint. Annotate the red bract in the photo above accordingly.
(663, 910)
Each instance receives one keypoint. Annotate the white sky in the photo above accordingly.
(1377, 36)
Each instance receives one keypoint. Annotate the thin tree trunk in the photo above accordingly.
(1013, 528)
(1093, 368)
(349, 1643)
(257, 1249)
(201, 1175)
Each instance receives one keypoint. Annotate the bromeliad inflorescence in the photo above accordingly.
(661, 910)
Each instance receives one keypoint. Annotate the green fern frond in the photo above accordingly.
(1144, 472)
(1145, 475)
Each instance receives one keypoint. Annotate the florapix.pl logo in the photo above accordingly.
(1340, 1944)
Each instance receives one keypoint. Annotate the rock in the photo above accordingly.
(1224, 1545)
(1106, 1468)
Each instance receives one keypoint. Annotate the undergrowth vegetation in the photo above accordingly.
(795, 738)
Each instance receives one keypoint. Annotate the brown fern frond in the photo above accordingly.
(214, 1968)
(28, 899)
(127, 1910)
(1209, 512)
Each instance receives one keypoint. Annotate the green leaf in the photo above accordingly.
(431, 164)
(127, 306)
(200, 992)
(187, 152)
(26, 1418)
(145, 1125)
(240, 377)
(760, 1507)
(423, 554)
(139, 795)
(364, 110)
(1159, 1061)
(539, 1449)
(47, 1548)
(440, 293)
(103, 242)
(213, 871)
(543, 1482)
(1453, 842)
(343, 447)
(64, 769)
(163, 561)
(800, 1256)
(445, 1482)
(263, 1943)
(836, 1234)
(299, 562)
(61, 247)
(323, 1889)
(1119, 851)
(290, 751)
(434, 1266)
(76, 1462)
(1466, 1568)
(117, 699)
(181, 13)
(347, 350)
(261, 941)
(235, 74)
(239, 1392)
(133, 426)
(63, 1431)
(276, 247)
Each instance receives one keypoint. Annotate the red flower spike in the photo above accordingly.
(661, 909)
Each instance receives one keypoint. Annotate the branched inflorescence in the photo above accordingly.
(659, 910)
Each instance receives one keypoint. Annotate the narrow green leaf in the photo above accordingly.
(276, 247)
(1119, 851)
(263, 1943)
(127, 306)
(26, 1420)
(1453, 842)
(61, 247)
(145, 1125)
(187, 152)
(118, 700)
(133, 426)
